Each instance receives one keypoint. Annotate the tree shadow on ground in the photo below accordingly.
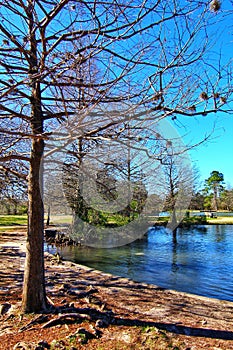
(111, 318)
(178, 329)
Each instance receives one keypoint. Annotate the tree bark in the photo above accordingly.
(215, 199)
(34, 296)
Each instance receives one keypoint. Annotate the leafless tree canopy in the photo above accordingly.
(61, 59)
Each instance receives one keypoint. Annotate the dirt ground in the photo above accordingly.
(94, 310)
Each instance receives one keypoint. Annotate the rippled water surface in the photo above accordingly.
(199, 261)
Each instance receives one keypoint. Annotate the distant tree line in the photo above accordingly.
(214, 195)
(13, 194)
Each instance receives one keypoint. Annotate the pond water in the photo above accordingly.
(199, 261)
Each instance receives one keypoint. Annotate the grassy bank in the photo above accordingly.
(21, 220)
(196, 220)
(222, 220)
(13, 220)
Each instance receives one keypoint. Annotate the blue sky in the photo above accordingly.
(217, 152)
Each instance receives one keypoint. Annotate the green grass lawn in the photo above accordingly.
(221, 220)
(13, 220)
(19, 220)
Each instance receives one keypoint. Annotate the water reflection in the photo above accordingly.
(175, 265)
(197, 261)
(220, 233)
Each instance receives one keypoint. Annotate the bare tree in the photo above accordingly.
(226, 199)
(152, 53)
(178, 180)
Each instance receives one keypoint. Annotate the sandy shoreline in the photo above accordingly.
(131, 302)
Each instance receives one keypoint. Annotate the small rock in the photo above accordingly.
(126, 338)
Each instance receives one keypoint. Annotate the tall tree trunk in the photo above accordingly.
(215, 199)
(174, 219)
(34, 296)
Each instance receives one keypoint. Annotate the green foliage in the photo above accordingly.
(214, 185)
(12, 206)
(22, 209)
(113, 220)
(208, 199)
(195, 220)
(105, 192)
(215, 178)
(96, 217)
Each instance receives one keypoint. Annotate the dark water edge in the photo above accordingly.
(199, 261)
